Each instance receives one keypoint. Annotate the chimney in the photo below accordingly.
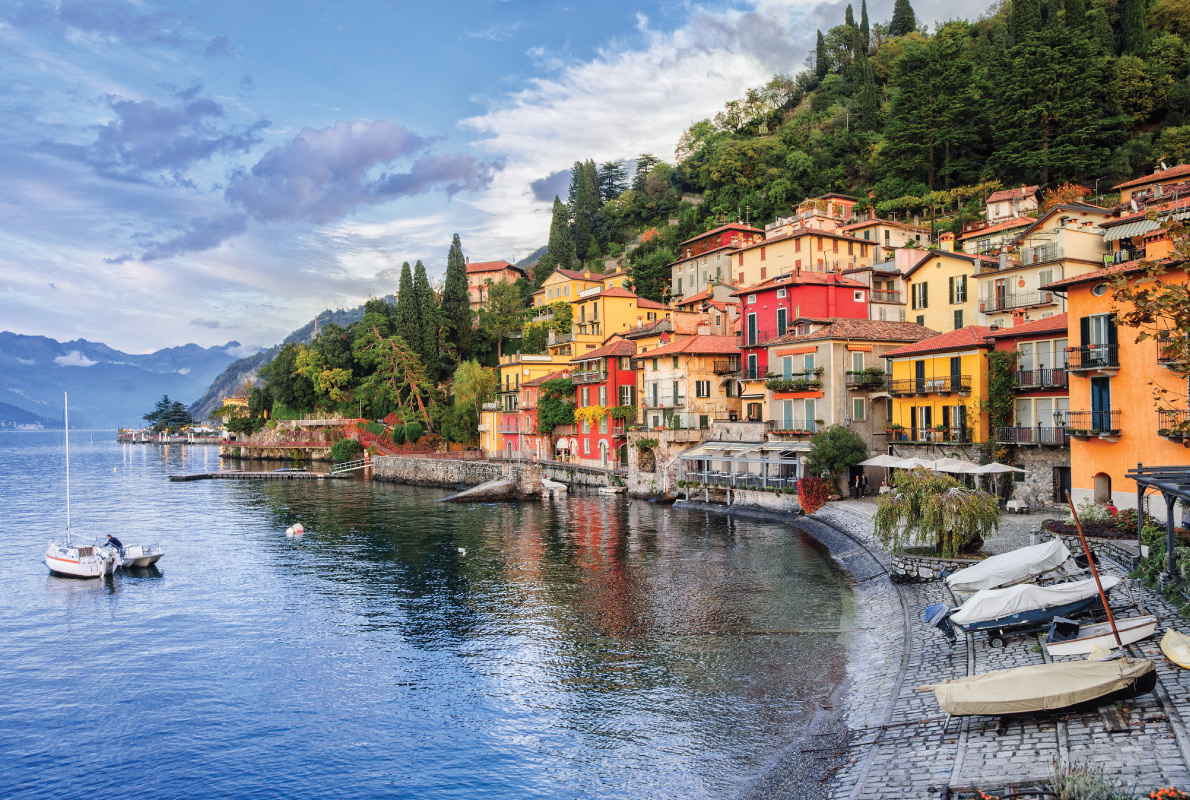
(947, 242)
(704, 327)
(1003, 260)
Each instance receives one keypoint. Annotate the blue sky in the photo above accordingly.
(206, 171)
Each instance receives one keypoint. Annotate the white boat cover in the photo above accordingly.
(1007, 568)
(989, 604)
(1042, 687)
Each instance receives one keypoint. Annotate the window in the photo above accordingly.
(1100, 290)
(921, 320)
(730, 389)
(566, 290)
(656, 394)
(586, 426)
(675, 362)
(809, 363)
(921, 295)
(586, 444)
(627, 395)
(751, 299)
(741, 280)
(763, 273)
(762, 254)
(857, 362)
(603, 424)
(958, 318)
(858, 296)
(1045, 276)
(958, 289)
(797, 245)
(654, 364)
(781, 321)
(603, 395)
(676, 395)
(679, 284)
(702, 388)
(858, 406)
(787, 368)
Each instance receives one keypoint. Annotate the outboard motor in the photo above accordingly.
(938, 615)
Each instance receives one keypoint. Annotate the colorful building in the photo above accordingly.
(985, 239)
(604, 379)
(501, 426)
(1114, 421)
(481, 275)
(1009, 204)
(939, 387)
(1156, 184)
(535, 445)
(941, 288)
(887, 235)
(706, 258)
(690, 381)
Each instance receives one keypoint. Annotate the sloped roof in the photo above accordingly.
(970, 259)
(699, 344)
(1159, 175)
(643, 302)
(1019, 193)
(1054, 324)
(962, 339)
(1015, 222)
(874, 330)
(892, 223)
(739, 226)
(1097, 275)
(803, 279)
(544, 378)
(575, 275)
(491, 266)
(620, 347)
(1077, 207)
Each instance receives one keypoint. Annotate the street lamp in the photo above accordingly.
(1097, 187)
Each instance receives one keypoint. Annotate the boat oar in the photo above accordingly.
(1095, 571)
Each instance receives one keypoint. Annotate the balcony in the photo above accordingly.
(803, 382)
(867, 380)
(1085, 424)
(1031, 256)
(929, 435)
(594, 376)
(560, 338)
(726, 366)
(1041, 379)
(752, 374)
(1053, 437)
(587, 328)
(757, 338)
(1124, 256)
(792, 427)
(1093, 357)
(907, 386)
(618, 430)
(886, 297)
(1173, 423)
(667, 402)
(514, 427)
(1168, 347)
(1017, 300)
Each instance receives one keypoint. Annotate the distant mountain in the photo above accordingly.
(13, 418)
(108, 388)
(236, 374)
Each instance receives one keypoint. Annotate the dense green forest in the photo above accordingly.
(1034, 91)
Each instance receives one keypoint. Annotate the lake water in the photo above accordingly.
(594, 648)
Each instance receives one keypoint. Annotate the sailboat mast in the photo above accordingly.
(66, 407)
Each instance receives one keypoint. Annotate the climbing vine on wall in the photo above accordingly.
(1001, 400)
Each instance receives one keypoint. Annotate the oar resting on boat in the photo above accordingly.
(1045, 687)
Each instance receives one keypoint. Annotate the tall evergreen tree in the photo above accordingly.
(456, 309)
(1101, 30)
(613, 180)
(408, 309)
(849, 17)
(1134, 39)
(1075, 13)
(865, 30)
(821, 64)
(428, 322)
(644, 165)
(903, 19)
(560, 251)
(866, 98)
(1025, 21)
(585, 187)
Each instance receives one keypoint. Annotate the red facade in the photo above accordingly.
(605, 378)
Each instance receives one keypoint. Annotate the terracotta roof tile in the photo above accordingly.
(803, 278)
(865, 329)
(544, 378)
(1038, 326)
(699, 344)
(618, 348)
(1019, 193)
(491, 266)
(721, 229)
(1016, 222)
(1159, 175)
(962, 339)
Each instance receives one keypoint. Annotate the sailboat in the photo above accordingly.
(71, 557)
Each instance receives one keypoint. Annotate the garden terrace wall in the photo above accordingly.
(908, 568)
(1122, 551)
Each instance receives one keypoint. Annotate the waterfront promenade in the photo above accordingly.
(898, 748)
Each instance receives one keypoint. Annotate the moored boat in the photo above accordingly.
(1070, 638)
(136, 555)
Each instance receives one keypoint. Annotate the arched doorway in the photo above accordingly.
(624, 455)
(1103, 488)
(603, 448)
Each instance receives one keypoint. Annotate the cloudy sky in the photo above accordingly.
(207, 170)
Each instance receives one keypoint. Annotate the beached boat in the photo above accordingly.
(69, 556)
(1063, 685)
(1016, 608)
(1176, 647)
(1010, 568)
(1068, 637)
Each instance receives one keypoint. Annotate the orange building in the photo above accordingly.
(1114, 421)
(481, 275)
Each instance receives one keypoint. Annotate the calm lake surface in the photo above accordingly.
(594, 648)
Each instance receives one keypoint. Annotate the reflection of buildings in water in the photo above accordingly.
(611, 596)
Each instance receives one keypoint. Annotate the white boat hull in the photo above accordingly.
(137, 556)
(1100, 635)
(79, 562)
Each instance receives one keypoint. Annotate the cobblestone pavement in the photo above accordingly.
(900, 749)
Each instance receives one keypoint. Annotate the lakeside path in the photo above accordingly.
(897, 747)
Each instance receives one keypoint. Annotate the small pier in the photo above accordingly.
(240, 475)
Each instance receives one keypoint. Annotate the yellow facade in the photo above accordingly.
(942, 291)
(939, 397)
(564, 285)
(806, 250)
(515, 369)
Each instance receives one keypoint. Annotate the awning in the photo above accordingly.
(1130, 229)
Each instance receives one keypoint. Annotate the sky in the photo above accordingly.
(206, 170)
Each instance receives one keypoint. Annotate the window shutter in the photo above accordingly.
(914, 296)
(1084, 331)
(925, 295)
(1111, 330)
(952, 290)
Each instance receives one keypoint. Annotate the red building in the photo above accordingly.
(1042, 389)
(769, 308)
(528, 439)
(603, 379)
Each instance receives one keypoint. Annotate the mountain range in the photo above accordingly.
(108, 388)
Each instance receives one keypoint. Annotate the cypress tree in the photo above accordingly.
(1076, 13)
(560, 251)
(849, 17)
(456, 309)
(1134, 39)
(428, 323)
(1026, 19)
(584, 208)
(865, 30)
(903, 19)
(866, 97)
(1101, 31)
(820, 62)
(408, 308)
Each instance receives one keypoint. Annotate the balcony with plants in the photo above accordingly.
(1173, 423)
(1089, 424)
(869, 378)
(790, 426)
(808, 381)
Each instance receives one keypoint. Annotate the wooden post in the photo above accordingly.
(1095, 571)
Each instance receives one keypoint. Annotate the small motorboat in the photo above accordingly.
(137, 556)
(1063, 685)
(1068, 637)
(1010, 568)
(1176, 647)
(612, 489)
(1016, 608)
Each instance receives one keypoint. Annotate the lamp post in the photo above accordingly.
(1097, 187)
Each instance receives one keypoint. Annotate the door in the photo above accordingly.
(1101, 404)
(998, 297)
(750, 373)
(1061, 483)
(751, 329)
(781, 321)
(956, 373)
(946, 421)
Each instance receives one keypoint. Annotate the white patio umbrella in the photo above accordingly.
(995, 469)
(956, 466)
(882, 460)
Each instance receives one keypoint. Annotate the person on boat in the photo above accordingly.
(112, 541)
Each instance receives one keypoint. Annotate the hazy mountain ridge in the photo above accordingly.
(12, 418)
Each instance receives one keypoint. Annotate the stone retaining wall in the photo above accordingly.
(453, 473)
(908, 568)
(320, 454)
(1122, 551)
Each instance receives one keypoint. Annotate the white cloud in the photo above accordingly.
(74, 359)
(26, 361)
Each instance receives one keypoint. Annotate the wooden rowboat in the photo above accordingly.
(1081, 639)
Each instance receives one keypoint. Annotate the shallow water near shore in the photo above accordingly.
(594, 647)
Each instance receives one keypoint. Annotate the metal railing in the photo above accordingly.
(1089, 422)
(755, 338)
(1018, 300)
(752, 374)
(740, 480)
(866, 380)
(1041, 255)
(1039, 435)
(791, 425)
(1041, 378)
(588, 377)
(726, 366)
(885, 297)
(513, 428)
(1123, 256)
(930, 435)
(666, 402)
(1173, 423)
(948, 385)
(1092, 356)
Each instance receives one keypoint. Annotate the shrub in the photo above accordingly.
(374, 428)
(346, 449)
(936, 510)
(812, 493)
(398, 434)
(414, 431)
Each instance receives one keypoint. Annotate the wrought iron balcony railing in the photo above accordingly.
(1056, 437)
(1085, 423)
(1092, 356)
(1041, 378)
(948, 385)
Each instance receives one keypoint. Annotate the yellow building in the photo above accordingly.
(690, 382)
(939, 387)
(942, 289)
(601, 312)
(499, 422)
(799, 249)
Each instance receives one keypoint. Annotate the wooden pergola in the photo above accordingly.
(1174, 484)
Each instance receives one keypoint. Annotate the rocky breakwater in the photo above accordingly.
(479, 481)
